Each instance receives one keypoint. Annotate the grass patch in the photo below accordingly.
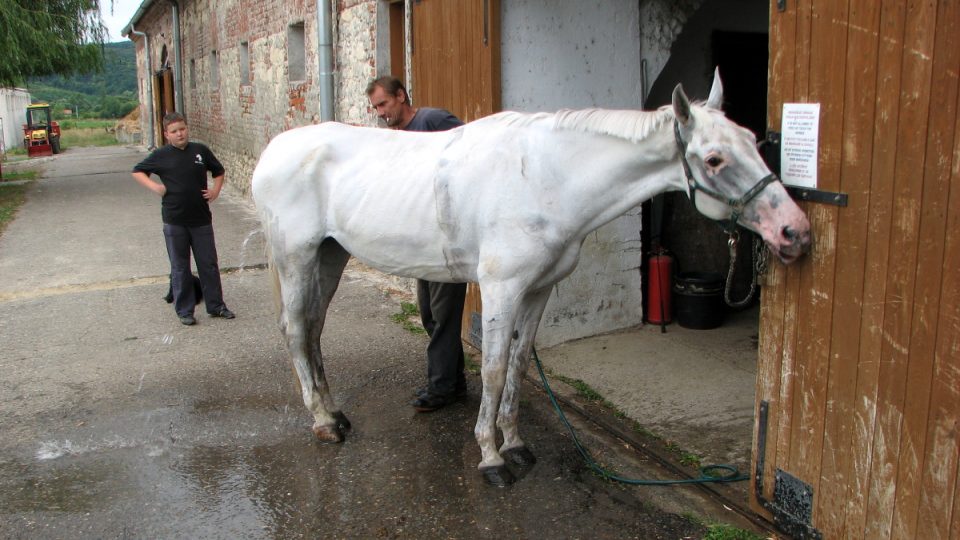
(91, 135)
(470, 364)
(11, 198)
(408, 310)
(729, 532)
(11, 176)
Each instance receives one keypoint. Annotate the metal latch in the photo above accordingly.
(770, 151)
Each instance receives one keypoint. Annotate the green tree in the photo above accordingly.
(49, 37)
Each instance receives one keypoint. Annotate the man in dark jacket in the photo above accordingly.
(440, 304)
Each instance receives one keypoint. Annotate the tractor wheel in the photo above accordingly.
(55, 144)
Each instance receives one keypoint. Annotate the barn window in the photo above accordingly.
(244, 62)
(296, 53)
(215, 70)
(193, 73)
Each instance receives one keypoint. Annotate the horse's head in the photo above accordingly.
(728, 181)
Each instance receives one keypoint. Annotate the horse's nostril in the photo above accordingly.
(788, 233)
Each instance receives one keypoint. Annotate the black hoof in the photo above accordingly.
(341, 420)
(499, 476)
(519, 456)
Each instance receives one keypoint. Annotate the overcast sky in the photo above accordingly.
(122, 12)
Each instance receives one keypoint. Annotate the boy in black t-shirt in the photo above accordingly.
(187, 222)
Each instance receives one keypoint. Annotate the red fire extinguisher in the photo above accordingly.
(659, 284)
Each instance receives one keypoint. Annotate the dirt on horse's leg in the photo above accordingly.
(307, 291)
(513, 448)
(497, 328)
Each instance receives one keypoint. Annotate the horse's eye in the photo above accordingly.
(714, 161)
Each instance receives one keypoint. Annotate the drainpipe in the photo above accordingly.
(325, 53)
(177, 59)
(148, 82)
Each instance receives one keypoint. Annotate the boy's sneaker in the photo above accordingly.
(223, 313)
(187, 320)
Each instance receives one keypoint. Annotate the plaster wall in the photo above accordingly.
(13, 114)
(575, 55)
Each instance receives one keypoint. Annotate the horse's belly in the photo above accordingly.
(407, 257)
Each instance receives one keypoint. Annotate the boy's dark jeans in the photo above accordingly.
(180, 242)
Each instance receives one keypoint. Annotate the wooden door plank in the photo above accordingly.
(901, 275)
(827, 57)
(789, 382)
(877, 261)
(941, 450)
(937, 138)
(836, 473)
(772, 301)
(940, 62)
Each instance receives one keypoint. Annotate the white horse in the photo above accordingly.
(505, 201)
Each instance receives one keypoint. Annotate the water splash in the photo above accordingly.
(243, 248)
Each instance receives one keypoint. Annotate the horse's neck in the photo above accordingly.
(616, 175)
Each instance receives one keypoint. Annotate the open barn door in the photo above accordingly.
(858, 393)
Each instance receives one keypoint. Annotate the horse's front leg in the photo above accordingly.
(530, 312)
(498, 321)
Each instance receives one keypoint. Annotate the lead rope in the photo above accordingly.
(759, 267)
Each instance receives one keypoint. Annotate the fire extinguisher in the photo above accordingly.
(659, 286)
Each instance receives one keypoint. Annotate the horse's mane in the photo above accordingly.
(625, 124)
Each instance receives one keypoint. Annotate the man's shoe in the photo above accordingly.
(430, 402)
(223, 313)
(460, 392)
(187, 320)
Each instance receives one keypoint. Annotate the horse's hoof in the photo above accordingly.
(520, 456)
(499, 476)
(328, 434)
(341, 420)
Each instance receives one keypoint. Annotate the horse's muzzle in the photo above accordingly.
(793, 243)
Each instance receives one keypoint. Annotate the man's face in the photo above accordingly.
(388, 107)
(177, 134)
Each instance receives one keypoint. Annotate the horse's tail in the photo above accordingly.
(274, 278)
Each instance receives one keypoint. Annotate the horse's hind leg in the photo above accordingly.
(513, 448)
(308, 280)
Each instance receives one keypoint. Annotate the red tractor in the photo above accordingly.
(41, 135)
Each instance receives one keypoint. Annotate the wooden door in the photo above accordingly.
(858, 397)
(456, 66)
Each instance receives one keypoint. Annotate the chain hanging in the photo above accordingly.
(759, 267)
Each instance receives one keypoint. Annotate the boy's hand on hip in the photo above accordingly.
(210, 194)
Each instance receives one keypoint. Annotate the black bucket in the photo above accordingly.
(698, 300)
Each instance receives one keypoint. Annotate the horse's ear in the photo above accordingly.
(681, 105)
(715, 100)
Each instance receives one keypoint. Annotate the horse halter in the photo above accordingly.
(737, 205)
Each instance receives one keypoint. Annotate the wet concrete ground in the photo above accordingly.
(118, 422)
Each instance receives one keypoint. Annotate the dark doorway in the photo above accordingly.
(695, 242)
(742, 59)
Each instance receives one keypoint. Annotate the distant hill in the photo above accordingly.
(111, 93)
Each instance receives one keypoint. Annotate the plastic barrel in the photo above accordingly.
(698, 300)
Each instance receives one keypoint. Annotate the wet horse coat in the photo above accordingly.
(505, 201)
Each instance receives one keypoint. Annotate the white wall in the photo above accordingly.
(13, 112)
(580, 54)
